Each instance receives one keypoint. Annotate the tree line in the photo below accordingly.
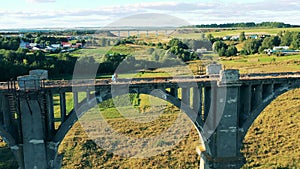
(252, 46)
(248, 25)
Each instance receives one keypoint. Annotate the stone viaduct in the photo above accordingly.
(221, 107)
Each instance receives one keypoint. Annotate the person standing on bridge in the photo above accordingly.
(114, 77)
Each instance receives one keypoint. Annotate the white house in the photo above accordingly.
(280, 48)
(56, 46)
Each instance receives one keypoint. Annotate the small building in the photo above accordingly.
(66, 44)
(226, 37)
(77, 45)
(280, 48)
(202, 50)
(49, 49)
(36, 49)
(235, 38)
(32, 45)
(56, 46)
(254, 36)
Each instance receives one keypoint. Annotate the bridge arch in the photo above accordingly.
(274, 130)
(87, 104)
(257, 111)
(11, 143)
(8, 138)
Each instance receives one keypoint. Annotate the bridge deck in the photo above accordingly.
(205, 79)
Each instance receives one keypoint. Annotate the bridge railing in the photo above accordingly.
(37, 84)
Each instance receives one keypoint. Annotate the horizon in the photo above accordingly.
(28, 14)
(104, 28)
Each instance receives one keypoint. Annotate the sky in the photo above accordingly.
(101, 13)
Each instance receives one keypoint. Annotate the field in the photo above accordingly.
(273, 31)
(263, 63)
(236, 32)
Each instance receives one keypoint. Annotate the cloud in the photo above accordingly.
(194, 12)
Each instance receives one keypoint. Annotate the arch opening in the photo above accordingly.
(91, 147)
(273, 138)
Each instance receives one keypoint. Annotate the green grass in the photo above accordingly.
(263, 63)
(273, 139)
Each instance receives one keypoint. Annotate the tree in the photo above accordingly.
(231, 51)
(39, 57)
(21, 55)
(242, 37)
(286, 39)
(210, 37)
(295, 44)
(9, 56)
(220, 47)
(251, 46)
(269, 42)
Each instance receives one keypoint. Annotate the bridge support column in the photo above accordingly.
(197, 102)
(5, 113)
(174, 92)
(50, 110)
(209, 94)
(245, 107)
(63, 110)
(37, 152)
(267, 90)
(185, 94)
(256, 97)
(225, 142)
(75, 96)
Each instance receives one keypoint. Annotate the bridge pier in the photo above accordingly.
(267, 90)
(38, 151)
(75, 99)
(224, 144)
(185, 94)
(245, 107)
(50, 112)
(256, 95)
(174, 92)
(63, 111)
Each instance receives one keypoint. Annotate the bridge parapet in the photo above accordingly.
(229, 76)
